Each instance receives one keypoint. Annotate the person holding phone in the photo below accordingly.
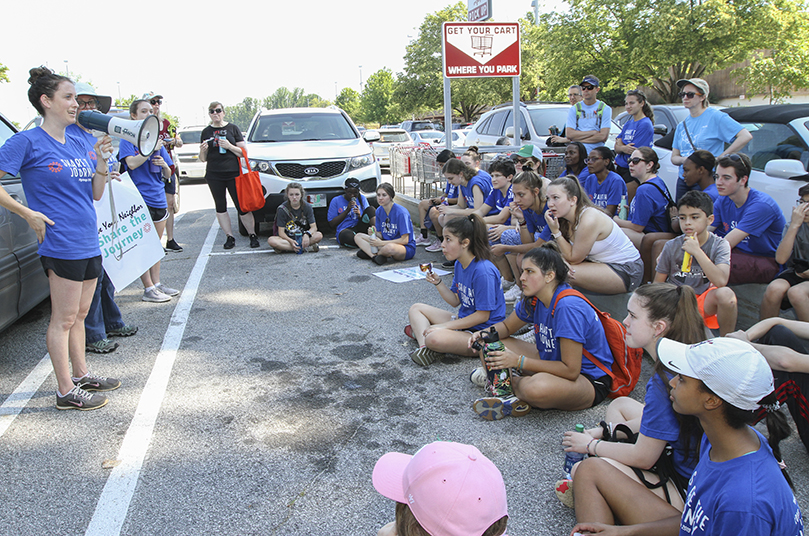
(350, 213)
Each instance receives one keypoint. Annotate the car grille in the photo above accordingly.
(324, 170)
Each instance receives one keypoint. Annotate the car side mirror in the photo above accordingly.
(661, 130)
(786, 169)
(371, 135)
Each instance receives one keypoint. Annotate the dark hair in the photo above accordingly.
(803, 190)
(43, 81)
(649, 155)
(408, 525)
(703, 159)
(444, 156)
(216, 103)
(740, 163)
(471, 228)
(548, 258)
(641, 96)
(456, 167)
(532, 181)
(504, 166)
(697, 199)
(133, 108)
(582, 155)
(388, 189)
(573, 188)
(473, 152)
(607, 154)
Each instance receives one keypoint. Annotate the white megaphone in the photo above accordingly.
(142, 134)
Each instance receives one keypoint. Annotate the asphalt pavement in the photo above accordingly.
(257, 403)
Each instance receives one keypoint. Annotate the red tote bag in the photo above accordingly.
(248, 188)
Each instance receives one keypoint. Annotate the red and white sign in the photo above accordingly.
(478, 10)
(478, 49)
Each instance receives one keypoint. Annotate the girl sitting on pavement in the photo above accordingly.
(555, 372)
(295, 213)
(394, 231)
(653, 311)
(475, 288)
(601, 257)
(499, 225)
(473, 190)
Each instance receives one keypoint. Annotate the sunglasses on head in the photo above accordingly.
(689, 94)
(215, 111)
(156, 101)
(588, 88)
(636, 160)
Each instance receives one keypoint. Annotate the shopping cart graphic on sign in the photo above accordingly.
(482, 44)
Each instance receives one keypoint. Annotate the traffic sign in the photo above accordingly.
(478, 10)
(481, 49)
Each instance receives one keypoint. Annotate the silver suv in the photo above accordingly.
(318, 147)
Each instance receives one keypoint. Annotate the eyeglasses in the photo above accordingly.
(636, 160)
(92, 103)
(592, 159)
(217, 111)
(573, 95)
(522, 160)
(156, 101)
(689, 94)
(588, 88)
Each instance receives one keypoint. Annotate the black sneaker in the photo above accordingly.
(254, 241)
(380, 259)
(230, 243)
(104, 346)
(125, 331)
(91, 382)
(362, 255)
(78, 398)
(449, 265)
(172, 245)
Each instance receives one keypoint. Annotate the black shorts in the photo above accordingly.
(791, 277)
(171, 184)
(158, 214)
(73, 270)
(602, 387)
(624, 173)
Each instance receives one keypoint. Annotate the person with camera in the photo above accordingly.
(295, 217)
(350, 213)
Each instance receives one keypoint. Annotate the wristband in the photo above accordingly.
(595, 447)
(439, 282)
(521, 222)
(522, 362)
(587, 448)
(307, 233)
(557, 234)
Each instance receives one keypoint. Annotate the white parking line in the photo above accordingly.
(110, 513)
(17, 401)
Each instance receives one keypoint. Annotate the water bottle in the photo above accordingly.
(299, 240)
(572, 458)
(623, 208)
(222, 150)
(499, 379)
(372, 234)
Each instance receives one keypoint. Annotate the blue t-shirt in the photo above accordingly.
(710, 131)
(648, 207)
(712, 191)
(574, 319)
(58, 182)
(478, 288)
(660, 422)
(451, 191)
(589, 119)
(641, 133)
(608, 192)
(338, 205)
(481, 182)
(760, 216)
(498, 202)
(745, 496)
(583, 174)
(535, 223)
(150, 184)
(395, 225)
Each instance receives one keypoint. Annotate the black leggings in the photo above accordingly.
(346, 236)
(218, 188)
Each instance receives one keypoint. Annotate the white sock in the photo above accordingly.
(150, 288)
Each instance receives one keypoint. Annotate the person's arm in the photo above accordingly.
(610, 210)
(585, 236)
(642, 454)
(482, 210)
(626, 224)
(568, 368)
(735, 236)
(801, 329)
(137, 160)
(676, 158)
(718, 275)
(504, 329)
(203, 151)
(36, 220)
(661, 277)
(742, 138)
(784, 250)
(621, 147)
(101, 176)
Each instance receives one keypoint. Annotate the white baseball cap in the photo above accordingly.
(731, 368)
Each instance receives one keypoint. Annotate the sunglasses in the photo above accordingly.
(156, 101)
(92, 103)
(216, 111)
(588, 88)
(522, 160)
(636, 160)
(689, 94)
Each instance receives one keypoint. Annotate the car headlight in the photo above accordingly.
(262, 166)
(361, 161)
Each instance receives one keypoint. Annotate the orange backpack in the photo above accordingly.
(626, 361)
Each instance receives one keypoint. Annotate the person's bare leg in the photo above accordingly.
(799, 299)
(422, 316)
(248, 221)
(170, 220)
(66, 300)
(596, 277)
(224, 223)
(773, 296)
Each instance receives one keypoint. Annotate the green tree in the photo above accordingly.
(349, 101)
(3, 73)
(377, 100)
(125, 102)
(242, 113)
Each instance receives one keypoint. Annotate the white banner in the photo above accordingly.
(129, 243)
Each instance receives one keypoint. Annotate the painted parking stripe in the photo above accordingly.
(110, 513)
(17, 401)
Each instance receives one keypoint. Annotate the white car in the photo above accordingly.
(458, 138)
(779, 151)
(317, 147)
(430, 137)
(388, 137)
(188, 155)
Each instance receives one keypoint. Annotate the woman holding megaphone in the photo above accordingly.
(61, 175)
(148, 172)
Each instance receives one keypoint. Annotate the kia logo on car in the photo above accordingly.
(311, 171)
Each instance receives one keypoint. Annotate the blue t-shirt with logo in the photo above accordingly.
(606, 193)
(149, 183)
(641, 133)
(573, 319)
(710, 131)
(760, 217)
(648, 207)
(481, 182)
(396, 225)
(478, 288)
(58, 182)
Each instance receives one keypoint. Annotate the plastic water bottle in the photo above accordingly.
(299, 240)
(222, 150)
(623, 208)
(572, 458)
(372, 234)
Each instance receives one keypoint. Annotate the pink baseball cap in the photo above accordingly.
(452, 489)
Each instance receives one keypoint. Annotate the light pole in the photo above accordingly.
(67, 69)
(360, 78)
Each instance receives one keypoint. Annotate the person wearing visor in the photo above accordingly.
(350, 214)
(704, 128)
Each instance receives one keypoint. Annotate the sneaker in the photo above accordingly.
(448, 265)
(479, 377)
(104, 346)
(423, 240)
(168, 291)
(424, 356)
(78, 398)
(362, 255)
(434, 247)
(564, 491)
(493, 408)
(513, 294)
(254, 241)
(155, 296)
(314, 248)
(230, 243)
(409, 332)
(506, 284)
(91, 382)
(172, 245)
(380, 259)
(124, 331)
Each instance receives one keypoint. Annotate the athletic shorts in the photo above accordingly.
(710, 321)
(631, 273)
(158, 214)
(73, 270)
(602, 387)
(171, 185)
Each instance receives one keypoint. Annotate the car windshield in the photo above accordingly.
(773, 141)
(301, 127)
(394, 137)
(191, 136)
(429, 135)
(545, 118)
